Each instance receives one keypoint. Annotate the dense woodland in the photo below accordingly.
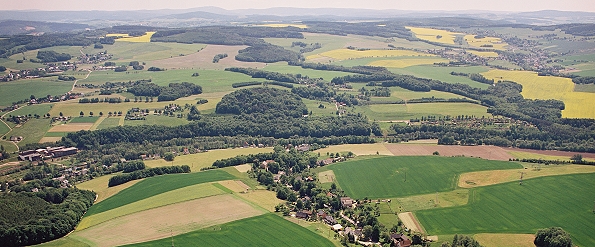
(29, 218)
(170, 93)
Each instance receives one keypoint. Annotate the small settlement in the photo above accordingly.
(46, 153)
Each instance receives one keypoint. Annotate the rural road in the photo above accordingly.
(75, 81)
(2, 120)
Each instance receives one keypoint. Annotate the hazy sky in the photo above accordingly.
(496, 5)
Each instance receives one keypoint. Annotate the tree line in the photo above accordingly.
(170, 93)
(145, 173)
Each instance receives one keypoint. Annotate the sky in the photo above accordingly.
(494, 5)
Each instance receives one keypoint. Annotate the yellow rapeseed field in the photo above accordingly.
(284, 25)
(343, 54)
(431, 34)
(497, 43)
(406, 62)
(127, 38)
(578, 104)
(483, 53)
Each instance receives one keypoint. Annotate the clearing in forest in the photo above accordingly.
(173, 219)
(127, 38)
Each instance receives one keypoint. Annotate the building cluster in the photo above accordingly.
(38, 72)
(47, 153)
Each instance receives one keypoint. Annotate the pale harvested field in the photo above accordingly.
(204, 59)
(552, 152)
(497, 43)
(243, 168)
(431, 34)
(483, 53)
(235, 186)
(171, 197)
(501, 239)
(71, 127)
(410, 222)
(326, 176)
(50, 139)
(99, 185)
(485, 152)
(484, 178)
(358, 149)
(343, 54)
(263, 198)
(161, 222)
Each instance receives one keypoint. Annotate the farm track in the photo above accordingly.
(10, 129)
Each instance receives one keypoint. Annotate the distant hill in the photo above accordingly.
(12, 27)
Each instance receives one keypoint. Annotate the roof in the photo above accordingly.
(337, 227)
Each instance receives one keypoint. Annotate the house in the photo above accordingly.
(337, 227)
(325, 162)
(304, 214)
(355, 233)
(400, 240)
(330, 220)
(321, 214)
(303, 148)
(346, 202)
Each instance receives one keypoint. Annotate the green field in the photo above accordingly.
(209, 80)
(157, 185)
(3, 128)
(158, 120)
(264, 230)
(564, 201)
(443, 73)
(21, 89)
(56, 134)
(282, 67)
(84, 119)
(390, 177)
(40, 110)
(108, 123)
(587, 88)
(313, 106)
(124, 52)
(32, 131)
(387, 112)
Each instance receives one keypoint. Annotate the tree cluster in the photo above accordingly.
(170, 93)
(276, 102)
(266, 53)
(52, 56)
(552, 237)
(145, 173)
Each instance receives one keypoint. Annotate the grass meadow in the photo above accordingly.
(407, 62)
(264, 230)
(156, 185)
(21, 89)
(344, 54)
(109, 123)
(390, 177)
(32, 131)
(388, 112)
(84, 119)
(578, 104)
(564, 201)
(282, 67)
(124, 52)
(40, 110)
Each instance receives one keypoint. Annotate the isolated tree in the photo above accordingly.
(101, 113)
(81, 113)
(61, 114)
(552, 237)
(91, 114)
(168, 156)
(577, 158)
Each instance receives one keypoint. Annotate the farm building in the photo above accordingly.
(304, 214)
(356, 233)
(50, 152)
(346, 202)
(400, 240)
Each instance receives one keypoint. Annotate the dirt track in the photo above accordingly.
(410, 222)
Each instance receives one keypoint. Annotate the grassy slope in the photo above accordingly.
(264, 230)
(282, 67)
(22, 89)
(206, 159)
(157, 185)
(386, 112)
(385, 177)
(32, 131)
(565, 201)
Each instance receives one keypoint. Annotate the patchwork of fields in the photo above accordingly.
(343, 54)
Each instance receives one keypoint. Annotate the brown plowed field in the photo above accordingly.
(552, 152)
(485, 152)
(204, 59)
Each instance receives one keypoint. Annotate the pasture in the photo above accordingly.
(204, 59)
(263, 198)
(156, 185)
(282, 67)
(87, 120)
(162, 222)
(206, 159)
(344, 54)
(21, 89)
(484, 152)
(443, 73)
(550, 87)
(407, 62)
(264, 230)
(124, 52)
(32, 110)
(503, 239)
(564, 201)
(109, 123)
(434, 35)
(391, 112)
(32, 131)
(390, 177)
(158, 120)
(71, 127)
(171, 197)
